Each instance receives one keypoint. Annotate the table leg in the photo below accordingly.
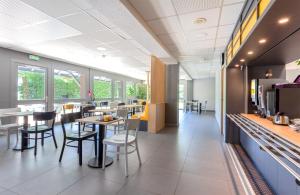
(96, 162)
(25, 143)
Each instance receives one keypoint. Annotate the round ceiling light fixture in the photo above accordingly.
(101, 48)
(200, 20)
(242, 60)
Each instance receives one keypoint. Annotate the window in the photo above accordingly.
(118, 90)
(66, 84)
(130, 89)
(31, 83)
(102, 87)
(141, 91)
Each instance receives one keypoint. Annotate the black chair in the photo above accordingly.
(134, 101)
(42, 129)
(85, 112)
(121, 104)
(75, 137)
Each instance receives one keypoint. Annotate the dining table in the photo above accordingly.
(103, 110)
(133, 107)
(25, 143)
(96, 162)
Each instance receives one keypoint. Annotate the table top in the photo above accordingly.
(131, 105)
(103, 110)
(25, 113)
(95, 120)
(283, 131)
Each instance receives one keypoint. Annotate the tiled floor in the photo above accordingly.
(186, 160)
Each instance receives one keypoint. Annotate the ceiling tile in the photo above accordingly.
(174, 38)
(202, 44)
(225, 31)
(54, 8)
(230, 14)
(211, 15)
(221, 42)
(82, 22)
(187, 6)
(226, 2)
(153, 9)
(165, 25)
(202, 34)
(105, 36)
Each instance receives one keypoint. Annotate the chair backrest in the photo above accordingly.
(69, 118)
(68, 107)
(6, 110)
(132, 125)
(123, 112)
(121, 104)
(85, 110)
(44, 116)
(134, 101)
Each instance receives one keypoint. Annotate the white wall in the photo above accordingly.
(204, 90)
(218, 97)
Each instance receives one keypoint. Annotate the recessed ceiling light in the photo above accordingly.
(283, 20)
(250, 52)
(262, 41)
(242, 60)
(101, 48)
(237, 65)
(200, 20)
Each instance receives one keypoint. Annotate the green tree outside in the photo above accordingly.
(32, 85)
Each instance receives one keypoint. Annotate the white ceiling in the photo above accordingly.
(198, 47)
(72, 30)
(129, 30)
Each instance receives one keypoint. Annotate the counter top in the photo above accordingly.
(283, 131)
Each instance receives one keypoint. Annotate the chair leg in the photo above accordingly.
(126, 161)
(80, 152)
(53, 136)
(62, 150)
(35, 143)
(17, 134)
(43, 139)
(95, 141)
(118, 152)
(138, 152)
(8, 139)
(104, 156)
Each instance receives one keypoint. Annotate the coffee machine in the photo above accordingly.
(259, 89)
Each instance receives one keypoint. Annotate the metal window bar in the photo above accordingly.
(266, 149)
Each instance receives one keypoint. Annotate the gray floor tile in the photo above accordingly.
(93, 185)
(194, 185)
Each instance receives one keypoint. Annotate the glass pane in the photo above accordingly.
(102, 87)
(130, 89)
(66, 84)
(31, 83)
(181, 96)
(31, 107)
(141, 91)
(58, 107)
(118, 89)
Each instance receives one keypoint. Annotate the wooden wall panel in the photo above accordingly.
(158, 83)
(156, 120)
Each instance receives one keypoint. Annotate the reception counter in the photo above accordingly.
(273, 149)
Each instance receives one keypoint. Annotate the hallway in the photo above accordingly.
(184, 162)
